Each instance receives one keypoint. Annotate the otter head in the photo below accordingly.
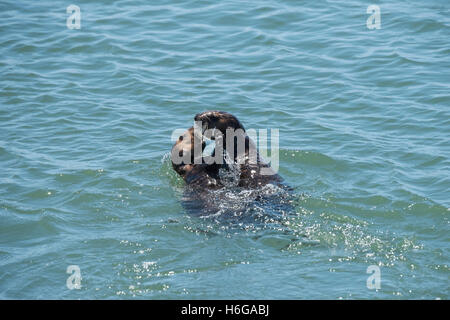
(183, 155)
(218, 120)
(229, 127)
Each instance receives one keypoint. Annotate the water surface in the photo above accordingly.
(86, 119)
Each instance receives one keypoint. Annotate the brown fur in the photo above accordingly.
(192, 173)
(207, 175)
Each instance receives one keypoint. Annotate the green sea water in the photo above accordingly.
(86, 117)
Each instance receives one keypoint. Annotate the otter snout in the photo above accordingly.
(218, 120)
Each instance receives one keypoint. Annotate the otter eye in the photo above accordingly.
(180, 138)
(180, 153)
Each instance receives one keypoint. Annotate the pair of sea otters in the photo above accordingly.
(233, 149)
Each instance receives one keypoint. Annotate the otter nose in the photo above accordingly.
(202, 116)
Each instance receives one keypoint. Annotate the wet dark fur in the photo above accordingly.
(207, 175)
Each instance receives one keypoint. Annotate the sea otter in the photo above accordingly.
(192, 167)
(227, 130)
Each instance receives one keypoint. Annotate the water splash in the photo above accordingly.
(230, 173)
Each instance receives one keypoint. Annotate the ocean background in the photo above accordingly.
(86, 118)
